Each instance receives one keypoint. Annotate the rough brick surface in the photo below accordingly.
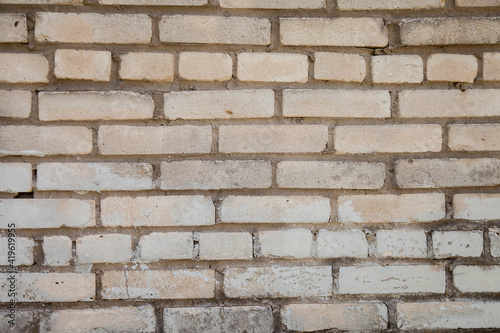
(449, 244)
(474, 137)
(57, 250)
(388, 5)
(476, 206)
(401, 244)
(494, 234)
(339, 244)
(83, 65)
(204, 66)
(15, 177)
(470, 279)
(22, 248)
(226, 246)
(14, 28)
(291, 244)
(339, 67)
(159, 246)
(23, 68)
(273, 4)
(398, 69)
(491, 66)
(147, 66)
(452, 67)
(15, 103)
(107, 248)
(272, 67)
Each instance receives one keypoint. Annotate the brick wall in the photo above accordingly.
(250, 165)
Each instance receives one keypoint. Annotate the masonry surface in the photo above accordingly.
(250, 165)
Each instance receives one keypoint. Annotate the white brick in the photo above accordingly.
(214, 104)
(47, 213)
(339, 244)
(94, 176)
(386, 208)
(15, 177)
(401, 244)
(215, 30)
(206, 175)
(157, 211)
(363, 32)
(477, 279)
(226, 246)
(154, 2)
(130, 140)
(95, 105)
(336, 103)
(450, 244)
(448, 315)
(419, 279)
(14, 28)
(341, 316)
(339, 67)
(388, 5)
(83, 65)
(288, 244)
(147, 66)
(57, 250)
(477, 3)
(172, 245)
(494, 234)
(16, 251)
(93, 28)
(480, 206)
(387, 139)
(272, 67)
(23, 68)
(491, 66)
(275, 209)
(110, 248)
(116, 319)
(165, 284)
(300, 281)
(272, 138)
(452, 67)
(42, 2)
(49, 287)
(484, 137)
(15, 103)
(398, 69)
(255, 319)
(204, 66)
(25, 320)
(273, 4)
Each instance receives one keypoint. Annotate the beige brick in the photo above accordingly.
(25, 320)
(299, 281)
(491, 66)
(204, 66)
(23, 68)
(213, 104)
(93, 28)
(207, 175)
(273, 4)
(324, 174)
(480, 206)
(164, 284)
(368, 139)
(15, 177)
(226, 246)
(95, 105)
(449, 244)
(434, 173)
(116, 319)
(336, 103)
(389, 5)
(107, 248)
(47, 213)
(42, 2)
(386, 208)
(129, 140)
(94, 177)
(401, 244)
(45, 140)
(15, 103)
(339, 244)
(477, 279)
(49, 287)
(157, 211)
(287, 244)
(448, 315)
(255, 319)
(272, 138)
(494, 234)
(344, 31)
(419, 279)
(452, 67)
(155, 2)
(450, 31)
(215, 30)
(272, 67)
(16, 251)
(275, 209)
(14, 28)
(57, 250)
(397, 69)
(147, 66)
(484, 137)
(159, 246)
(477, 3)
(339, 67)
(342, 316)
(83, 65)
